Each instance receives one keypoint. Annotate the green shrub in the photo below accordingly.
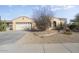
(3, 25)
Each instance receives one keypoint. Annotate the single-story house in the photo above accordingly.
(26, 23)
(55, 22)
(21, 23)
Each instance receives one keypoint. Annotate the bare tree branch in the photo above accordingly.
(42, 17)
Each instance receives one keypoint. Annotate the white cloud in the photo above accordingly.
(55, 9)
(68, 6)
(64, 7)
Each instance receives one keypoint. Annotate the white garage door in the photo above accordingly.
(23, 26)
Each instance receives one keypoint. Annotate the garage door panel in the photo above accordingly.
(23, 26)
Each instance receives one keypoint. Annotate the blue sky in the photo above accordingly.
(9, 12)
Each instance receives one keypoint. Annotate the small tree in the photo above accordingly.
(42, 17)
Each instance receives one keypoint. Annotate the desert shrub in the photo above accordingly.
(67, 31)
(72, 26)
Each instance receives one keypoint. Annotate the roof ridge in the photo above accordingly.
(20, 17)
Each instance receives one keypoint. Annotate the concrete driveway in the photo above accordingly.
(10, 36)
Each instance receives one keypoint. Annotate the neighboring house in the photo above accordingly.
(26, 23)
(55, 22)
(21, 23)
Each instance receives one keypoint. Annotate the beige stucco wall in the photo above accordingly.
(22, 19)
(57, 20)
